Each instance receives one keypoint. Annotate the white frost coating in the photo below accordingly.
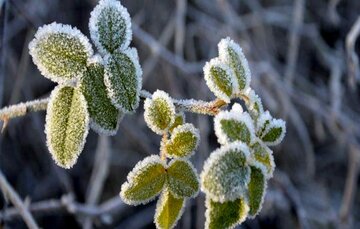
(275, 123)
(148, 161)
(215, 158)
(254, 99)
(94, 15)
(43, 32)
(160, 206)
(187, 127)
(100, 130)
(269, 174)
(232, 115)
(158, 94)
(237, 108)
(216, 62)
(263, 118)
(226, 43)
(208, 210)
(96, 59)
(48, 120)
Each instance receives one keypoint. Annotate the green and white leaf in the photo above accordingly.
(169, 210)
(233, 126)
(110, 26)
(231, 54)
(159, 112)
(60, 52)
(183, 180)
(123, 79)
(256, 188)
(144, 182)
(220, 79)
(262, 122)
(67, 125)
(225, 215)
(104, 116)
(179, 120)
(274, 132)
(225, 175)
(184, 141)
(262, 154)
(254, 104)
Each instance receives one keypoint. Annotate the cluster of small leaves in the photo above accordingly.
(94, 90)
(234, 177)
(172, 176)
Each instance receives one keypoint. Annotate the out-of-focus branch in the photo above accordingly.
(352, 58)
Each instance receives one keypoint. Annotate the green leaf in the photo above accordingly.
(262, 122)
(123, 79)
(233, 126)
(226, 174)
(256, 188)
(105, 118)
(231, 54)
(159, 112)
(220, 79)
(168, 210)
(60, 52)
(254, 104)
(179, 120)
(262, 154)
(225, 215)
(110, 26)
(184, 140)
(67, 125)
(144, 182)
(183, 180)
(274, 132)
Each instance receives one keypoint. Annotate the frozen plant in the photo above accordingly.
(96, 90)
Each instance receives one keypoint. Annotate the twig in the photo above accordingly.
(180, 27)
(10, 193)
(352, 58)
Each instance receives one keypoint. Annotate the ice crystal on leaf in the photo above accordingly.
(179, 120)
(262, 154)
(256, 189)
(274, 132)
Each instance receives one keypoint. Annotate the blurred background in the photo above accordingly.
(304, 61)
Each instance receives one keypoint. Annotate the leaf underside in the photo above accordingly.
(168, 210)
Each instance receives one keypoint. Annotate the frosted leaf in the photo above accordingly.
(144, 182)
(184, 141)
(169, 210)
(256, 188)
(262, 122)
(225, 215)
(110, 26)
(183, 180)
(254, 104)
(262, 154)
(123, 79)
(104, 116)
(220, 79)
(237, 108)
(67, 125)
(225, 175)
(233, 126)
(179, 120)
(231, 54)
(60, 52)
(159, 112)
(274, 132)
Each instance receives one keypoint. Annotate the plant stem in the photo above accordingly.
(162, 147)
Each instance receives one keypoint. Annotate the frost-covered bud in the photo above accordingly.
(183, 180)
(256, 188)
(60, 52)
(144, 182)
(169, 210)
(231, 54)
(104, 117)
(274, 132)
(123, 79)
(220, 79)
(254, 104)
(262, 154)
(225, 215)
(179, 120)
(233, 126)
(159, 112)
(184, 141)
(110, 26)
(226, 174)
(67, 125)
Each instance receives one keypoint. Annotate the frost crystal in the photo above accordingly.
(257, 187)
(274, 132)
(262, 122)
(254, 104)
(262, 154)
(60, 52)
(110, 26)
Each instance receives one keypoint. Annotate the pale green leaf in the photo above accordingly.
(254, 104)
(67, 125)
(184, 140)
(274, 132)
(262, 154)
(123, 79)
(225, 215)
(179, 120)
(60, 52)
(104, 116)
(256, 188)
(226, 174)
(168, 210)
(183, 180)
(144, 182)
